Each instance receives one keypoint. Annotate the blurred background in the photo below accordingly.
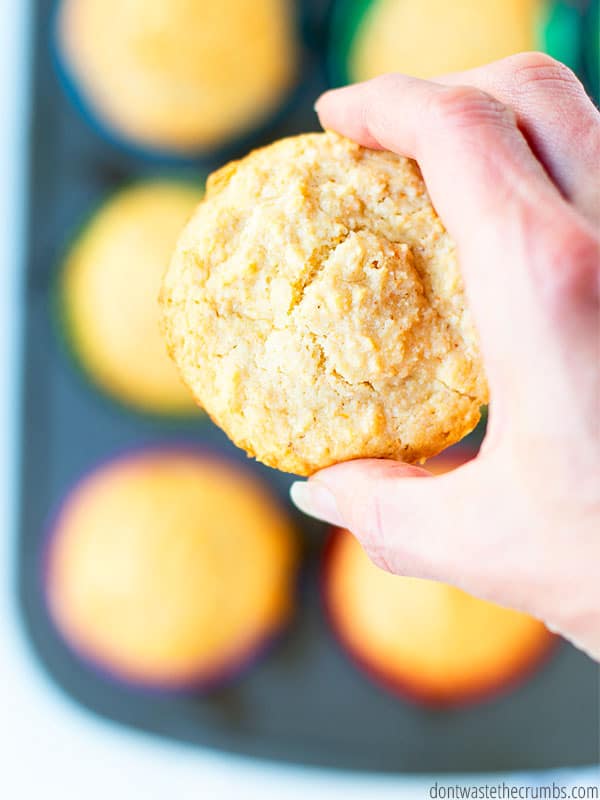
(186, 624)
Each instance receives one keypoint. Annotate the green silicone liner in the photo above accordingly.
(591, 48)
(558, 33)
(346, 19)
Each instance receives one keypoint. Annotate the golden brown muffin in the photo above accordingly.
(314, 306)
(180, 75)
(433, 37)
(167, 568)
(109, 294)
(426, 640)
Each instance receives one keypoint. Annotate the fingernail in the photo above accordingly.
(315, 499)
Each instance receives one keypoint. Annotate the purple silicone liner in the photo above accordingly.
(201, 683)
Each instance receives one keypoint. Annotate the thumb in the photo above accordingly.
(408, 521)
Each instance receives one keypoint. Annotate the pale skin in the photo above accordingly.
(510, 153)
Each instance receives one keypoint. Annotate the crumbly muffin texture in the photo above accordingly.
(314, 306)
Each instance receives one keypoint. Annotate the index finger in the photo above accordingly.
(472, 155)
(559, 120)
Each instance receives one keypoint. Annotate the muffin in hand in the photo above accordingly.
(315, 308)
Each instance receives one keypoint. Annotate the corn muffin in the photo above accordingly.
(109, 295)
(180, 75)
(315, 308)
(167, 568)
(432, 37)
(426, 640)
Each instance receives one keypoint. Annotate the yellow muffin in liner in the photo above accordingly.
(426, 641)
(170, 569)
(426, 38)
(179, 75)
(109, 295)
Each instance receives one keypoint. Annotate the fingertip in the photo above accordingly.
(316, 500)
(321, 101)
(330, 491)
(330, 99)
(377, 499)
(316, 106)
(332, 111)
(342, 110)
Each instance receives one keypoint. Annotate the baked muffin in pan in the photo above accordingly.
(107, 297)
(426, 641)
(170, 568)
(178, 77)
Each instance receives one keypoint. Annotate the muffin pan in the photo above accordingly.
(304, 701)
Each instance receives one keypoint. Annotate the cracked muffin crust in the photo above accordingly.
(314, 306)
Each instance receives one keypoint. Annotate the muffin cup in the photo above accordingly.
(415, 691)
(231, 145)
(67, 339)
(558, 33)
(201, 682)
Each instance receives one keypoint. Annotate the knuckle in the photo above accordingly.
(531, 59)
(574, 266)
(532, 71)
(463, 107)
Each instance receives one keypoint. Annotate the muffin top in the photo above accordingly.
(424, 637)
(314, 306)
(109, 291)
(166, 567)
(180, 75)
(433, 37)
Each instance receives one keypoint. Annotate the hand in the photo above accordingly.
(510, 154)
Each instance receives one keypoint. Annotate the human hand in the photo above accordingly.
(510, 154)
